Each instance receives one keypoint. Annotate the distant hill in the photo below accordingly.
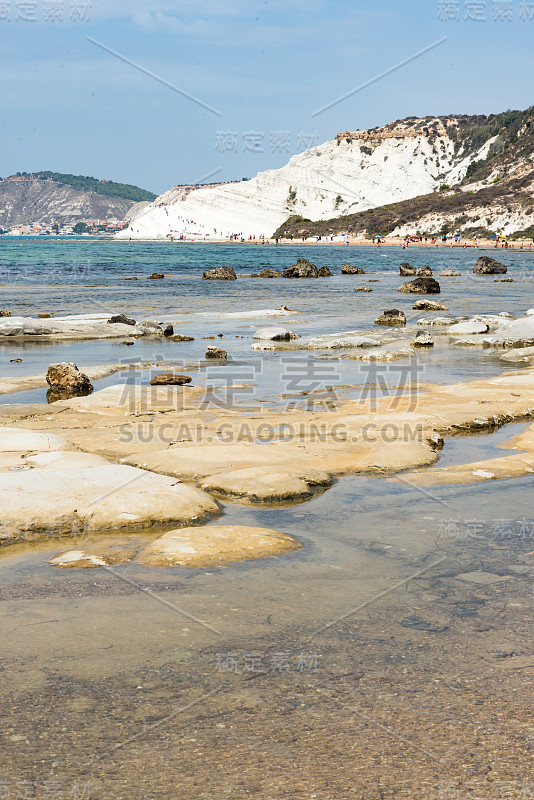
(49, 197)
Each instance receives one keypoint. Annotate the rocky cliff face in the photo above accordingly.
(355, 172)
(26, 200)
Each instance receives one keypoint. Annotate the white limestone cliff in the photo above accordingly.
(355, 172)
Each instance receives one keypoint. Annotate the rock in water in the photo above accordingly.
(428, 305)
(168, 379)
(424, 272)
(350, 269)
(120, 319)
(421, 286)
(5, 313)
(391, 317)
(302, 269)
(488, 266)
(42, 316)
(179, 337)
(152, 328)
(275, 335)
(216, 352)
(325, 272)
(270, 273)
(156, 276)
(220, 274)
(407, 269)
(65, 379)
(423, 339)
(364, 289)
(450, 273)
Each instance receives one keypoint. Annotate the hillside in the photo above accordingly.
(495, 196)
(48, 197)
(360, 171)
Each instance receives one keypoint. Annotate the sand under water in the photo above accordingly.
(390, 656)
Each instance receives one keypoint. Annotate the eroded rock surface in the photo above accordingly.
(220, 274)
(489, 266)
(421, 286)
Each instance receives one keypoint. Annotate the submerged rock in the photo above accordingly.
(121, 319)
(220, 274)
(325, 272)
(4, 313)
(421, 286)
(489, 266)
(216, 352)
(406, 269)
(217, 544)
(350, 269)
(169, 379)
(363, 289)
(275, 334)
(302, 269)
(429, 305)
(450, 273)
(67, 380)
(43, 316)
(391, 316)
(156, 276)
(270, 273)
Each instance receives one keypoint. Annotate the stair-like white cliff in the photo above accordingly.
(355, 172)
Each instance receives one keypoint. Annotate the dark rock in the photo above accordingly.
(407, 269)
(120, 319)
(44, 316)
(254, 275)
(168, 379)
(363, 289)
(302, 269)
(220, 274)
(5, 313)
(216, 352)
(156, 276)
(488, 266)
(128, 344)
(66, 378)
(325, 272)
(424, 272)
(429, 305)
(504, 280)
(421, 286)
(130, 279)
(15, 361)
(270, 273)
(350, 269)
(391, 317)
(167, 329)
(179, 337)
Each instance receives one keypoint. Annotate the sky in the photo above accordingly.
(185, 91)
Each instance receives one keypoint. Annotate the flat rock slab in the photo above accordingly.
(468, 328)
(20, 440)
(105, 553)
(65, 493)
(482, 578)
(215, 545)
(266, 485)
(275, 334)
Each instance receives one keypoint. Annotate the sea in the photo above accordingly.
(390, 657)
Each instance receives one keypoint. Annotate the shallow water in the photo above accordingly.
(360, 666)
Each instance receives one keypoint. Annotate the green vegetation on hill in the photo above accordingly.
(87, 184)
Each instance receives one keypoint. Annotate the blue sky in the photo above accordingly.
(69, 105)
